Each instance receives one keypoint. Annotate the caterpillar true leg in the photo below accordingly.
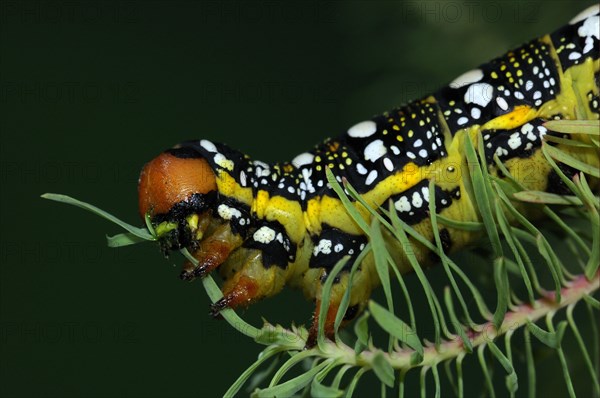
(251, 283)
(212, 252)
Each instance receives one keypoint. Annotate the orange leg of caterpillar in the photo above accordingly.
(242, 293)
(251, 283)
(213, 251)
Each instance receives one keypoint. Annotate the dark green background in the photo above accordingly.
(91, 91)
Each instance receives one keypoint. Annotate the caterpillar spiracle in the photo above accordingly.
(265, 226)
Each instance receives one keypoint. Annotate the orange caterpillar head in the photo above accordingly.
(175, 189)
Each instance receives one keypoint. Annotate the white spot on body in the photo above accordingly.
(371, 177)
(462, 120)
(479, 93)
(469, 77)
(574, 55)
(388, 164)
(324, 247)
(375, 150)
(417, 201)
(402, 204)
(209, 146)
(475, 113)
(227, 213)
(425, 192)
(338, 248)
(528, 85)
(361, 169)
(306, 173)
(514, 141)
(303, 159)
(363, 129)
(590, 27)
(502, 103)
(418, 143)
(243, 178)
(264, 235)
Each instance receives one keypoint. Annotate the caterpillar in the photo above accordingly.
(265, 226)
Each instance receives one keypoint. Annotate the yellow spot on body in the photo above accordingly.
(410, 133)
(348, 161)
(400, 138)
(502, 67)
(421, 123)
(395, 127)
(519, 73)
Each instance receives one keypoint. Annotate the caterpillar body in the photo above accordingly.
(270, 225)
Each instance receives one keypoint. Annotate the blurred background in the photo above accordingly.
(90, 91)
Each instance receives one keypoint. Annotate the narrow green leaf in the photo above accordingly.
(139, 232)
(296, 358)
(547, 198)
(383, 369)
(457, 325)
(436, 380)
(567, 141)
(320, 390)
(325, 293)
(486, 372)
(590, 127)
(502, 289)
(381, 264)
(592, 302)
(339, 317)
(550, 339)
(462, 225)
(268, 353)
(583, 348)
(512, 382)
(348, 205)
(124, 239)
(292, 386)
(569, 160)
(561, 355)
(395, 326)
(530, 364)
(354, 382)
(400, 234)
(340, 375)
(361, 329)
(481, 196)
(459, 375)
